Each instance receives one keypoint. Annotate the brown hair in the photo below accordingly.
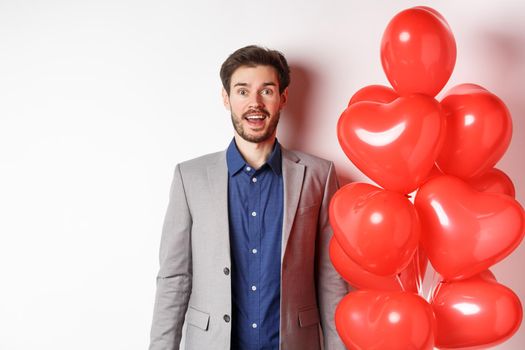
(251, 56)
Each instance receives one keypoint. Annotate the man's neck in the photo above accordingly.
(255, 153)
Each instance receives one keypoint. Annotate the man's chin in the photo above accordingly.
(255, 138)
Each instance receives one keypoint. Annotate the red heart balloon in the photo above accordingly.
(464, 231)
(479, 129)
(494, 181)
(374, 320)
(374, 93)
(475, 312)
(378, 229)
(394, 144)
(418, 51)
(407, 280)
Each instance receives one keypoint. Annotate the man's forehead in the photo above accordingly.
(244, 74)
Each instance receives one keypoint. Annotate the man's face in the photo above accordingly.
(255, 102)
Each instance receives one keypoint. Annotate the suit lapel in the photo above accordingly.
(293, 175)
(218, 182)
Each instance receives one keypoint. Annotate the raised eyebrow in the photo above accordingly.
(270, 83)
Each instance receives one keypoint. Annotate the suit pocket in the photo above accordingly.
(309, 317)
(198, 318)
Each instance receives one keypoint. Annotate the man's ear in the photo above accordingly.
(284, 97)
(225, 99)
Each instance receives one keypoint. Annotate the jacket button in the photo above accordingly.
(226, 271)
(226, 318)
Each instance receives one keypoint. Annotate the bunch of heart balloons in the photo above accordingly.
(463, 218)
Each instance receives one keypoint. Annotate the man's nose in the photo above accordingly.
(256, 100)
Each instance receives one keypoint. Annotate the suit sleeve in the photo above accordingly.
(331, 288)
(175, 274)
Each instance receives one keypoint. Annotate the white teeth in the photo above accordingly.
(253, 117)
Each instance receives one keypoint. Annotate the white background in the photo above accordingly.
(100, 99)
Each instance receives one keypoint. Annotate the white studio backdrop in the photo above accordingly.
(100, 99)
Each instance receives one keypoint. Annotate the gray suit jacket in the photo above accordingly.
(194, 284)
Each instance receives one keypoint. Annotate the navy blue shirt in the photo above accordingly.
(255, 204)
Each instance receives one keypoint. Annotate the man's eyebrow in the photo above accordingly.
(269, 83)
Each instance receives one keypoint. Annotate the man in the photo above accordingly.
(244, 250)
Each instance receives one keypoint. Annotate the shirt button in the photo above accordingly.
(254, 251)
(226, 271)
(254, 288)
(248, 168)
(254, 213)
(254, 179)
(226, 318)
(254, 325)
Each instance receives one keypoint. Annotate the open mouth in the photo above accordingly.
(256, 118)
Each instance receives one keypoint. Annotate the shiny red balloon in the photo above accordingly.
(374, 93)
(478, 132)
(394, 144)
(418, 51)
(377, 229)
(408, 279)
(464, 231)
(493, 181)
(374, 320)
(475, 312)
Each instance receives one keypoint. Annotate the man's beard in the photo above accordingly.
(237, 124)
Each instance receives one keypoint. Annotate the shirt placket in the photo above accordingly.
(254, 253)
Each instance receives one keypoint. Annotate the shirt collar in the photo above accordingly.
(236, 162)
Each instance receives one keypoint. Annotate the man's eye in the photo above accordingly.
(243, 92)
(266, 92)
